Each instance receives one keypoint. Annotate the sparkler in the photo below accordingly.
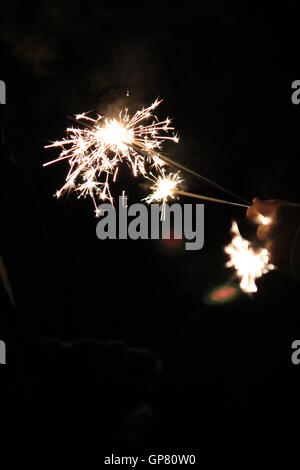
(166, 187)
(96, 151)
(249, 262)
(179, 166)
(210, 199)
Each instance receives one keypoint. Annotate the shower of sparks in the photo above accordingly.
(249, 262)
(96, 150)
(163, 189)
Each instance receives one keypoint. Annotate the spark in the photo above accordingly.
(164, 188)
(97, 148)
(249, 262)
(157, 162)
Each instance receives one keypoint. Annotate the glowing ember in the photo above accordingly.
(250, 263)
(96, 150)
(115, 135)
(164, 188)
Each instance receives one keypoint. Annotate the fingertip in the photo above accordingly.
(251, 213)
(260, 232)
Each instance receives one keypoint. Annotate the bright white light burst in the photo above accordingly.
(263, 220)
(96, 150)
(164, 188)
(250, 263)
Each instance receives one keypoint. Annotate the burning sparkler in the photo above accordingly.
(164, 188)
(96, 150)
(167, 187)
(250, 263)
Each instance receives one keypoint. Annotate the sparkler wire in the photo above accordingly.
(211, 199)
(179, 166)
(141, 147)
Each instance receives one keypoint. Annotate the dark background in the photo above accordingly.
(225, 72)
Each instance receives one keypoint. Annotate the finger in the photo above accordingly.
(257, 200)
(252, 213)
(256, 217)
(263, 220)
(265, 232)
(259, 206)
(278, 257)
(266, 208)
(270, 246)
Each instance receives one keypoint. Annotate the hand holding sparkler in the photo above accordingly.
(96, 150)
(249, 262)
(278, 225)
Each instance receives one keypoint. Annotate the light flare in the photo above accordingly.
(164, 188)
(263, 220)
(249, 262)
(96, 150)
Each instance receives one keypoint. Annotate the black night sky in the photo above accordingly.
(120, 333)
